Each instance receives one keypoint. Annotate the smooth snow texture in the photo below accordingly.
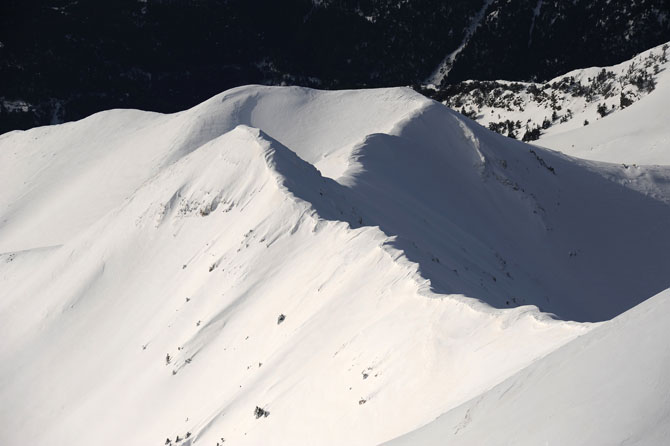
(404, 245)
(609, 386)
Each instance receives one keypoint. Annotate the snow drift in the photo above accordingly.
(145, 261)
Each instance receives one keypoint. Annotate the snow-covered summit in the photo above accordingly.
(291, 266)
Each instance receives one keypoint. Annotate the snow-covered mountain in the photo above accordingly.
(62, 60)
(616, 114)
(609, 386)
(292, 266)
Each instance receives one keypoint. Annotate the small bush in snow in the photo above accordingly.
(602, 110)
(531, 134)
(260, 412)
(624, 101)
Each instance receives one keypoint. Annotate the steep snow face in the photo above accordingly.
(166, 275)
(609, 386)
(513, 224)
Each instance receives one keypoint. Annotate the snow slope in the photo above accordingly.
(638, 134)
(609, 386)
(87, 168)
(564, 110)
(404, 245)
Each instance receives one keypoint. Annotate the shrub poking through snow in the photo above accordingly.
(260, 412)
(624, 101)
(602, 110)
(532, 134)
(483, 101)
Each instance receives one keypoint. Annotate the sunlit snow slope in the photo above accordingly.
(616, 114)
(145, 261)
(610, 386)
(638, 134)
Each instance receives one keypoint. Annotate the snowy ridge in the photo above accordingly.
(298, 117)
(638, 134)
(595, 113)
(327, 257)
(441, 208)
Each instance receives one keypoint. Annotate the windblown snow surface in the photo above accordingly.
(416, 258)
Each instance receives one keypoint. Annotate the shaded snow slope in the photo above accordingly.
(385, 228)
(513, 224)
(609, 386)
